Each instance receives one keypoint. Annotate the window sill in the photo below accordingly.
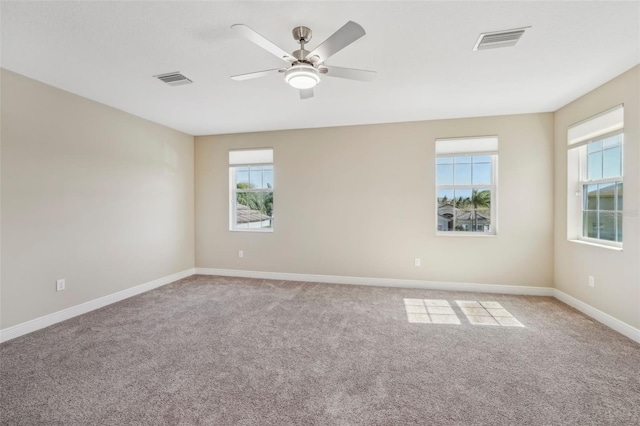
(464, 234)
(593, 244)
(257, 230)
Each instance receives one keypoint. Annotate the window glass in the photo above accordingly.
(612, 162)
(591, 197)
(602, 194)
(242, 175)
(251, 192)
(594, 146)
(606, 194)
(444, 174)
(462, 174)
(465, 193)
(619, 205)
(590, 224)
(594, 165)
(482, 173)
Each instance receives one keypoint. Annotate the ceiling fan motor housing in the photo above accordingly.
(301, 34)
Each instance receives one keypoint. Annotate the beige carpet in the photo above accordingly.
(224, 351)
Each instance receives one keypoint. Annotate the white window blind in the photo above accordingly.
(476, 145)
(244, 157)
(601, 124)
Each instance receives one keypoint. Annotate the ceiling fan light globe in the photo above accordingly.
(302, 77)
(303, 82)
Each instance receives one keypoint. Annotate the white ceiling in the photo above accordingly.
(422, 51)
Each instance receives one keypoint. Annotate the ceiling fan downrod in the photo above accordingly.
(302, 35)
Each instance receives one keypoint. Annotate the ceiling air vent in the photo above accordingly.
(174, 79)
(497, 39)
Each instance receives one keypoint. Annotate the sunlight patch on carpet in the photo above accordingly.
(487, 313)
(438, 311)
(430, 311)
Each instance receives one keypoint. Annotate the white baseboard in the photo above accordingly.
(382, 282)
(56, 317)
(65, 314)
(606, 319)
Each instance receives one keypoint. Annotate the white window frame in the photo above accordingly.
(598, 127)
(234, 164)
(493, 186)
(583, 181)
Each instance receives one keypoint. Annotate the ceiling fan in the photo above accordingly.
(305, 67)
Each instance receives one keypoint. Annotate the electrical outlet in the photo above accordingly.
(416, 261)
(592, 282)
(61, 284)
(240, 254)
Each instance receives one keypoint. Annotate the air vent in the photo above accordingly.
(498, 39)
(174, 79)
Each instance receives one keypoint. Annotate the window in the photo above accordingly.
(251, 190)
(602, 189)
(466, 185)
(596, 172)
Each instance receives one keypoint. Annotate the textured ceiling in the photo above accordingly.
(422, 51)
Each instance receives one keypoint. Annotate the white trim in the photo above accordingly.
(65, 314)
(466, 146)
(56, 317)
(465, 234)
(593, 242)
(606, 319)
(602, 317)
(593, 127)
(382, 282)
(251, 156)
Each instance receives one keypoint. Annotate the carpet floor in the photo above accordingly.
(235, 351)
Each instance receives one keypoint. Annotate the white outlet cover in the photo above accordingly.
(60, 285)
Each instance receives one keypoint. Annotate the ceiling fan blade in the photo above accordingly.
(306, 93)
(256, 38)
(350, 73)
(346, 35)
(249, 76)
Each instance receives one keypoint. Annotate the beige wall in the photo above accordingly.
(90, 194)
(360, 201)
(616, 273)
(106, 200)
